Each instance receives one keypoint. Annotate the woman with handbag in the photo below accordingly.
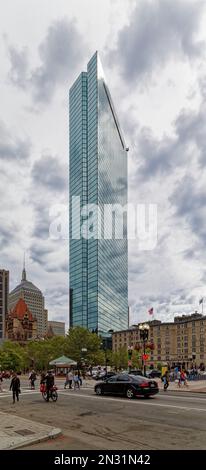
(15, 387)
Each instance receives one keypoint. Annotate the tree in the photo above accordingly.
(80, 338)
(12, 356)
(119, 359)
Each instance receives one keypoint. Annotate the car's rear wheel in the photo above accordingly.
(129, 393)
(99, 391)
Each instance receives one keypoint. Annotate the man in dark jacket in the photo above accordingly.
(15, 387)
(49, 383)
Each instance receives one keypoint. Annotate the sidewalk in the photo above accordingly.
(197, 386)
(16, 432)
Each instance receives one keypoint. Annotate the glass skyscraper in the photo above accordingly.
(98, 176)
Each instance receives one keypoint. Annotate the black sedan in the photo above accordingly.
(154, 373)
(127, 385)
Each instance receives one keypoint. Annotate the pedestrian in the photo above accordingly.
(32, 379)
(179, 378)
(166, 380)
(69, 379)
(183, 379)
(76, 381)
(15, 387)
(49, 383)
(1, 382)
(79, 377)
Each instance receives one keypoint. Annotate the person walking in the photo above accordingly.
(166, 380)
(1, 382)
(179, 378)
(32, 379)
(15, 387)
(183, 379)
(69, 379)
(79, 377)
(76, 381)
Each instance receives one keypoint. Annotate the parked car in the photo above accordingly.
(127, 385)
(154, 373)
(136, 372)
(106, 376)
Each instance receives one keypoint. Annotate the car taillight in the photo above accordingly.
(144, 384)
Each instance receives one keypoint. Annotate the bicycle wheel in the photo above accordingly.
(54, 395)
(44, 395)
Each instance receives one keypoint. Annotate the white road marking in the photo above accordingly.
(183, 398)
(115, 400)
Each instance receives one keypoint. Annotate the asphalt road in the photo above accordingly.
(166, 421)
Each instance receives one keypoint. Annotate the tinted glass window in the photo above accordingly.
(112, 379)
(138, 378)
(123, 378)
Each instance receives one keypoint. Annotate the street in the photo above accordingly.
(170, 420)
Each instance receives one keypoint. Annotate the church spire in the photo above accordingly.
(24, 270)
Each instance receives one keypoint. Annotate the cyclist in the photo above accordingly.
(49, 383)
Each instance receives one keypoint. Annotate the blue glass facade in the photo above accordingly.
(98, 175)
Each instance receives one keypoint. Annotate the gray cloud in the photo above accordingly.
(60, 52)
(38, 252)
(58, 266)
(190, 127)
(161, 156)
(43, 254)
(41, 220)
(165, 306)
(12, 147)
(6, 235)
(49, 173)
(157, 32)
(58, 296)
(155, 156)
(190, 204)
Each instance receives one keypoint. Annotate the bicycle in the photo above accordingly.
(52, 392)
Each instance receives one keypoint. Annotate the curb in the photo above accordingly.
(55, 432)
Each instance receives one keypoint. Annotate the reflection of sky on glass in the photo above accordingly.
(99, 272)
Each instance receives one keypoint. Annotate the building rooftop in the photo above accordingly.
(25, 285)
(20, 310)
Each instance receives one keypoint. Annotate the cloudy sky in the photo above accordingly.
(153, 54)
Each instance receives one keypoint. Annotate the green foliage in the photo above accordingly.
(38, 354)
(136, 359)
(79, 338)
(12, 356)
(119, 359)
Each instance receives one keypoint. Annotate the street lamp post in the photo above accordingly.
(103, 347)
(144, 333)
(83, 350)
